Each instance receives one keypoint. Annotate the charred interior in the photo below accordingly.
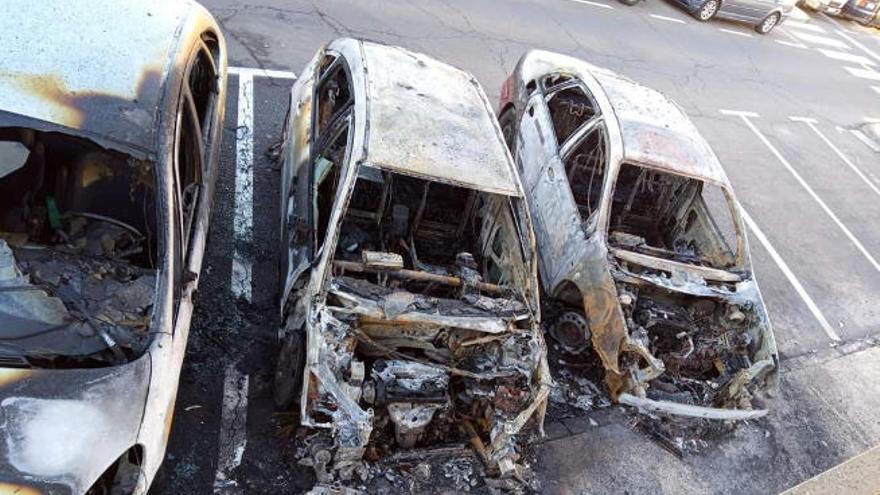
(673, 217)
(78, 251)
(429, 335)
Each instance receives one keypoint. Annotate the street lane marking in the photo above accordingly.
(864, 73)
(821, 40)
(277, 74)
(738, 33)
(792, 279)
(811, 123)
(594, 4)
(794, 41)
(865, 140)
(243, 219)
(846, 57)
(804, 25)
(745, 116)
(850, 39)
(668, 19)
(233, 429)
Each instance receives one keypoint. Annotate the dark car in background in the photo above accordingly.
(862, 11)
(764, 14)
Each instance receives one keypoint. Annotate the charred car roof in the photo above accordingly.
(100, 80)
(654, 130)
(418, 110)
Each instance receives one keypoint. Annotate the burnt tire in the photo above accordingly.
(769, 22)
(287, 383)
(571, 330)
(707, 10)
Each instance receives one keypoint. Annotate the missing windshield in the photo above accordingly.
(673, 217)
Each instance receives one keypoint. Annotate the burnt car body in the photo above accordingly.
(410, 298)
(110, 120)
(640, 237)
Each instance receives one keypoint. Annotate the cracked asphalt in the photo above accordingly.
(825, 411)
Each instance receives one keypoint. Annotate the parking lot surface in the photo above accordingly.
(782, 111)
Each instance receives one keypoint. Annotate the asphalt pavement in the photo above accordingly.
(782, 112)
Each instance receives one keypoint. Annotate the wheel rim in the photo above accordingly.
(769, 23)
(709, 10)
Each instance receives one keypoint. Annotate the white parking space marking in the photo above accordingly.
(821, 40)
(738, 33)
(805, 26)
(853, 58)
(667, 19)
(811, 123)
(746, 116)
(875, 147)
(792, 279)
(257, 72)
(864, 73)
(793, 41)
(243, 218)
(594, 4)
(233, 429)
(841, 32)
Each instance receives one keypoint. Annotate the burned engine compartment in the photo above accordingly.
(428, 337)
(78, 252)
(703, 351)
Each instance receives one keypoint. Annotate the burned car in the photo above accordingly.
(109, 137)
(410, 298)
(639, 238)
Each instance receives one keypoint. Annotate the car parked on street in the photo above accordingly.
(862, 11)
(110, 120)
(763, 14)
(640, 238)
(832, 7)
(410, 298)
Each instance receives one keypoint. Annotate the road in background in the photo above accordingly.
(809, 185)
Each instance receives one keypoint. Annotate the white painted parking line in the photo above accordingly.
(257, 72)
(821, 40)
(243, 217)
(233, 429)
(793, 42)
(811, 123)
(875, 147)
(667, 19)
(842, 33)
(746, 116)
(864, 73)
(792, 279)
(804, 25)
(876, 89)
(849, 57)
(594, 4)
(738, 33)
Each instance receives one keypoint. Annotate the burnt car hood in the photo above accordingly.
(61, 429)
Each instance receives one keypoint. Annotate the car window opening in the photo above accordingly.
(434, 229)
(585, 169)
(570, 107)
(78, 248)
(673, 217)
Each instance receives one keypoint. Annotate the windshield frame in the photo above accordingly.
(741, 265)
